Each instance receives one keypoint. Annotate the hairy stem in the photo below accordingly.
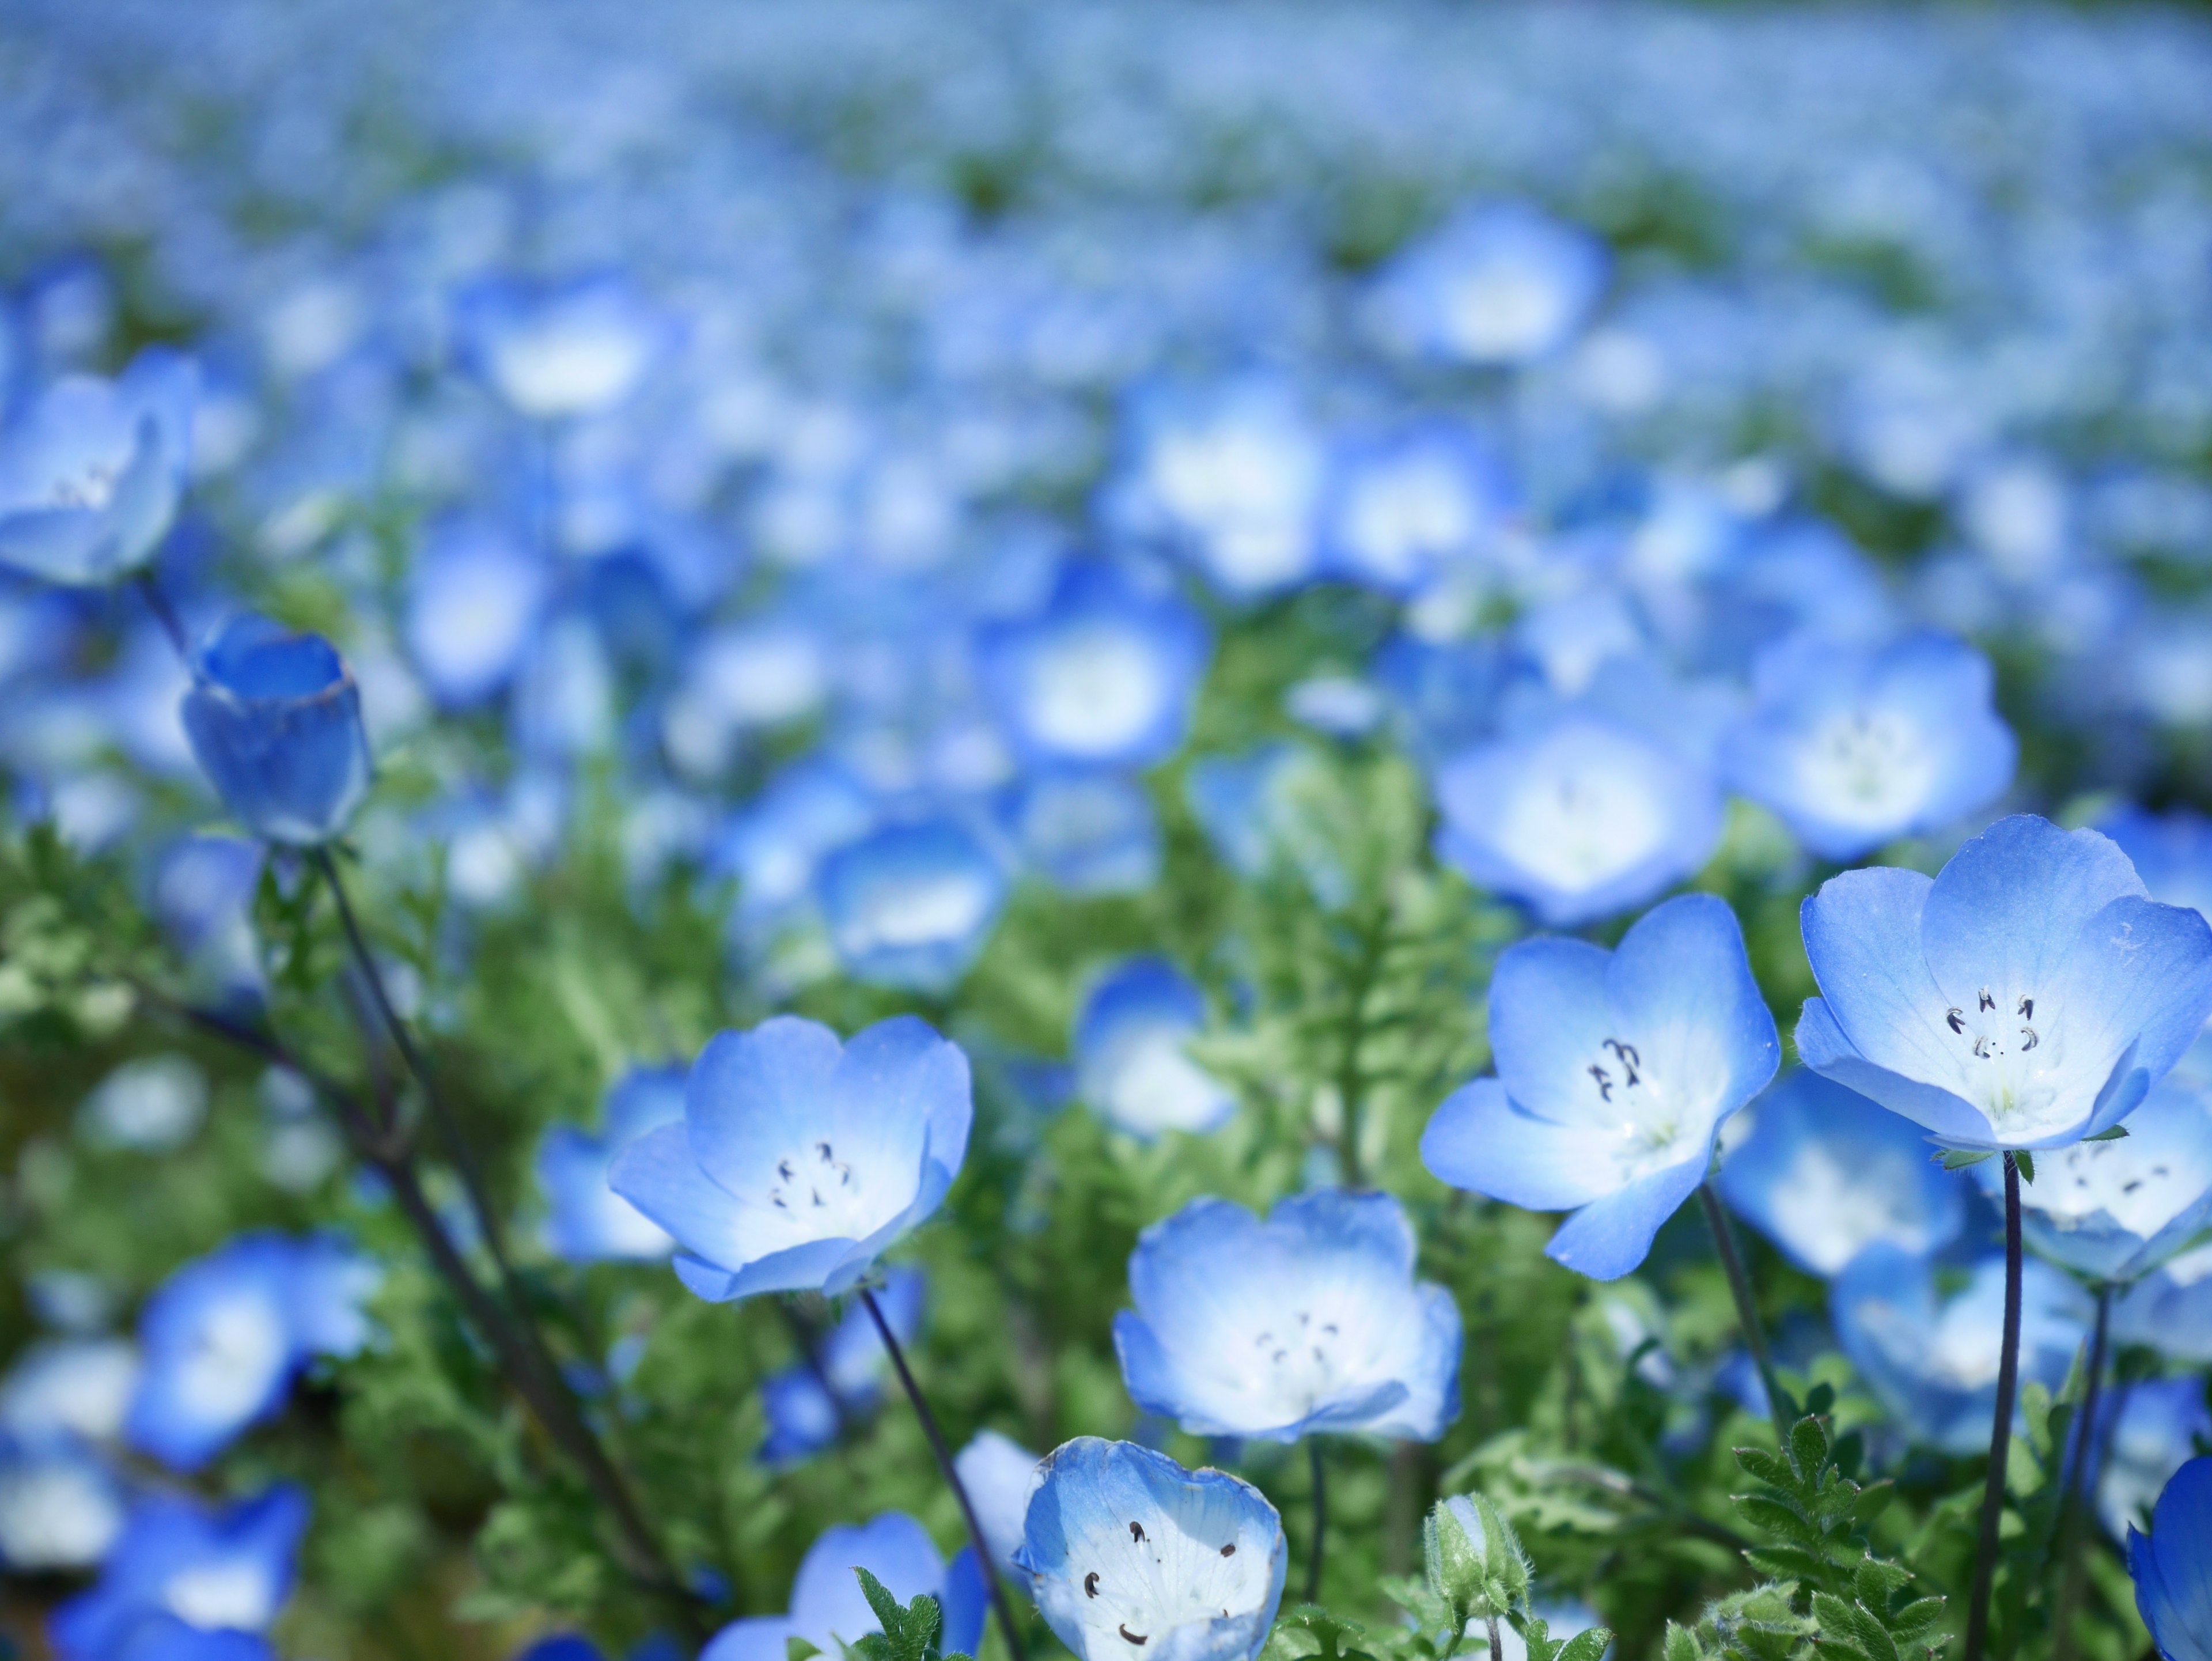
(1746, 1310)
(2073, 1570)
(1497, 1642)
(989, 1563)
(1993, 1491)
(1320, 1518)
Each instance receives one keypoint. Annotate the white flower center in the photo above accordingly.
(1577, 826)
(1094, 691)
(233, 1596)
(825, 1196)
(1868, 766)
(1144, 1577)
(238, 1350)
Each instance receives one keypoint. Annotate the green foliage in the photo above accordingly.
(909, 1634)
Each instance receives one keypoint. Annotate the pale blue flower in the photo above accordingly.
(2170, 1309)
(2148, 1429)
(474, 595)
(1125, 1550)
(1132, 1065)
(1232, 479)
(1311, 1321)
(1499, 284)
(275, 722)
(1085, 832)
(586, 1221)
(1407, 505)
(560, 351)
(999, 1474)
(799, 1160)
(911, 905)
(61, 1508)
(829, 1610)
(2172, 1566)
(2026, 997)
(1615, 1072)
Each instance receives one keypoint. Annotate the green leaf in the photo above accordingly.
(1808, 1447)
(2026, 1161)
(1590, 1644)
(2113, 1134)
(1957, 1159)
(798, 1649)
(1680, 1645)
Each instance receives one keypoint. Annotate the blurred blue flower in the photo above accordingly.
(2172, 853)
(1824, 1173)
(2172, 1593)
(1496, 285)
(223, 1337)
(474, 596)
(586, 1221)
(1131, 1065)
(203, 892)
(1404, 507)
(1615, 1072)
(2114, 1211)
(1124, 1548)
(1579, 819)
(1311, 1321)
(776, 843)
(911, 905)
(827, 1608)
(809, 1402)
(2148, 1430)
(1855, 746)
(68, 1389)
(1257, 810)
(2025, 998)
(554, 351)
(275, 722)
(61, 1508)
(1927, 1335)
(998, 1474)
(91, 474)
(187, 1583)
(1104, 677)
(800, 1159)
(1085, 832)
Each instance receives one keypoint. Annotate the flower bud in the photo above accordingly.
(275, 722)
(1475, 1563)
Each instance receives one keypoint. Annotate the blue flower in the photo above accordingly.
(1855, 746)
(1311, 1321)
(1931, 1352)
(186, 1583)
(60, 1507)
(776, 845)
(275, 722)
(473, 599)
(1256, 808)
(557, 351)
(1130, 1063)
(202, 896)
(1402, 507)
(1105, 676)
(224, 1336)
(2026, 997)
(809, 1402)
(799, 1160)
(910, 905)
(2171, 852)
(1580, 817)
(587, 1221)
(1824, 1173)
(1499, 284)
(91, 474)
(1125, 1549)
(2148, 1428)
(828, 1610)
(2114, 1211)
(2170, 1309)
(2173, 1593)
(1085, 832)
(1616, 1070)
(998, 1474)
(68, 1389)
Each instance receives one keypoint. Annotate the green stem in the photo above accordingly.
(1746, 1310)
(1320, 1519)
(1351, 1081)
(1993, 1489)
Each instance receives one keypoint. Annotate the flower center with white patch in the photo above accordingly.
(223, 1596)
(1094, 691)
(1868, 766)
(2141, 1188)
(1578, 827)
(1147, 1577)
(88, 488)
(920, 908)
(238, 1350)
(825, 1196)
(2008, 1048)
(1833, 1211)
(1626, 1095)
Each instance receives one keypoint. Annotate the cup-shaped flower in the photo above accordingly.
(799, 1160)
(1577, 819)
(562, 351)
(1311, 1321)
(1615, 1070)
(275, 722)
(998, 1472)
(2173, 1591)
(1931, 1353)
(2114, 1211)
(911, 905)
(2147, 1432)
(1131, 1065)
(1824, 1173)
(2027, 997)
(183, 1581)
(91, 473)
(586, 1221)
(1127, 1551)
(1499, 284)
(2170, 1309)
(1404, 505)
(1855, 746)
(60, 1507)
(829, 1610)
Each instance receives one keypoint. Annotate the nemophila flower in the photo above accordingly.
(1131, 1066)
(1125, 1550)
(1615, 1072)
(2174, 1593)
(1403, 507)
(799, 1160)
(811, 1401)
(1855, 746)
(92, 471)
(1579, 819)
(69, 1389)
(1085, 832)
(2172, 853)
(2113, 1211)
(202, 893)
(1499, 284)
(740, 678)
(1311, 1321)
(60, 1507)
(998, 1474)
(1824, 1173)
(557, 352)
(275, 722)
(776, 844)
(1341, 706)
(2025, 997)
(910, 905)
(1104, 677)
(1928, 1337)
(190, 1582)
(2148, 1429)
(152, 1104)
(474, 595)
(2170, 1309)
(224, 1336)
(829, 1610)
(1232, 479)
(586, 1221)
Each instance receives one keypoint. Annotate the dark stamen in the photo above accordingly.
(1229, 1550)
(1136, 1531)
(1091, 1583)
(2026, 1008)
(1134, 1638)
(1953, 1017)
(1604, 1082)
(1988, 1002)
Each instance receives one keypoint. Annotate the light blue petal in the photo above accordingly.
(1609, 1237)
(751, 1097)
(1822, 1046)
(2137, 972)
(1547, 1017)
(658, 1175)
(1338, 1219)
(965, 1599)
(2173, 1567)
(826, 1600)
(1680, 988)
(756, 1638)
(1479, 1140)
(1862, 935)
(2009, 907)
